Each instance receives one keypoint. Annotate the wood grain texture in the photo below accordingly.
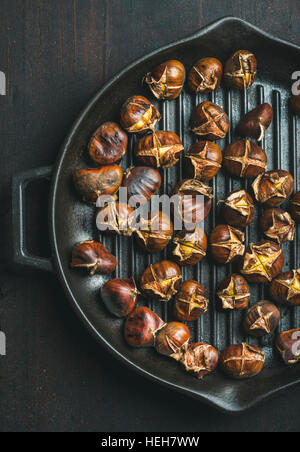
(56, 54)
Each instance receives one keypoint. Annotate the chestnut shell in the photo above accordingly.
(242, 361)
(295, 207)
(91, 183)
(108, 144)
(200, 358)
(286, 344)
(210, 121)
(116, 218)
(278, 225)
(141, 326)
(245, 159)
(161, 280)
(205, 76)
(172, 340)
(191, 301)
(203, 161)
(189, 247)
(119, 296)
(161, 149)
(94, 257)
(141, 182)
(226, 243)
(166, 80)
(262, 262)
(240, 70)
(295, 104)
(273, 188)
(155, 232)
(262, 319)
(239, 209)
(285, 288)
(256, 122)
(139, 115)
(234, 292)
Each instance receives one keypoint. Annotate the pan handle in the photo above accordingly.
(21, 258)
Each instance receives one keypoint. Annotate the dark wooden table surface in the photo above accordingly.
(56, 54)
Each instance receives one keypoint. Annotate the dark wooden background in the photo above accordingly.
(56, 55)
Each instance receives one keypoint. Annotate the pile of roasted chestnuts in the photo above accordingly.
(260, 262)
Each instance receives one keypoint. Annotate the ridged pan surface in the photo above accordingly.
(72, 221)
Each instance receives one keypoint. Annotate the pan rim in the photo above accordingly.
(235, 406)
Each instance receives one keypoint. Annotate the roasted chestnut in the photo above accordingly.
(203, 161)
(161, 280)
(210, 121)
(201, 359)
(240, 70)
(205, 76)
(172, 339)
(189, 247)
(285, 288)
(141, 327)
(263, 261)
(191, 302)
(120, 296)
(234, 293)
(226, 243)
(160, 149)
(193, 203)
(239, 209)
(295, 103)
(242, 361)
(273, 188)
(141, 183)
(261, 319)
(288, 345)
(155, 232)
(91, 183)
(139, 115)
(245, 159)
(278, 225)
(116, 217)
(94, 257)
(295, 207)
(166, 80)
(256, 122)
(108, 144)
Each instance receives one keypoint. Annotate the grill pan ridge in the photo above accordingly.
(72, 221)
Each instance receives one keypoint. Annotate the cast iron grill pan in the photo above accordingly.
(73, 221)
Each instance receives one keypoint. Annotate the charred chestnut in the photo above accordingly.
(139, 115)
(189, 247)
(245, 159)
(273, 188)
(240, 70)
(172, 340)
(155, 232)
(278, 225)
(161, 149)
(263, 261)
(191, 302)
(194, 201)
(91, 183)
(203, 161)
(256, 122)
(295, 207)
(161, 280)
(116, 218)
(166, 80)
(287, 344)
(210, 121)
(234, 293)
(201, 359)
(261, 319)
(239, 209)
(94, 257)
(120, 296)
(226, 243)
(108, 144)
(141, 182)
(205, 76)
(141, 327)
(285, 288)
(295, 103)
(242, 361)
